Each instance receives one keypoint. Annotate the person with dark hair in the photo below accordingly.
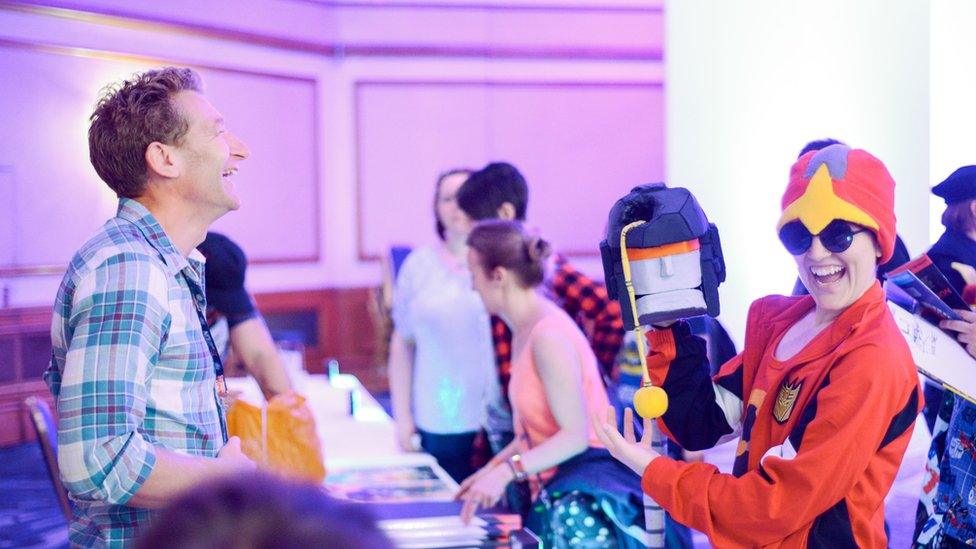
(238, 329)
(261, 511)
(946, 515)
(499, 191)
(496, 191)
(955, 251)
(564, 478)
(135, 375)
(823, 397)
(440, 365)
(818, 144)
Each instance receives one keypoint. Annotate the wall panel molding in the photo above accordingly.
(345, 326)
(309, 210)
(491, 146)
(345, 29)
(485, 5)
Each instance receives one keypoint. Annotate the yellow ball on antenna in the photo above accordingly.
(650, 402)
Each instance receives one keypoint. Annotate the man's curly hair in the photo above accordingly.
(131, 115)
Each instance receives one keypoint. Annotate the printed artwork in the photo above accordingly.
(390, 484)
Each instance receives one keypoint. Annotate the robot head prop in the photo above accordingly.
(675, 256)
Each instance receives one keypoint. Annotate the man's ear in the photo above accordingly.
(506, 211)
(162, 160)
(497, 274)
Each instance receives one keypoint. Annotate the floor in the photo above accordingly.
(29, 511)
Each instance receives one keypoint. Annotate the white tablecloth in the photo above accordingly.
(368, 435)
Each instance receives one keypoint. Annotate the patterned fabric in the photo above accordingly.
(946, 515)
(577, 521)
(597, 315)
(501, 338)
(130, 371)
(587, 302)
(592, 476)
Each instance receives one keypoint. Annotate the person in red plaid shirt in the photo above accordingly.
(499, 191)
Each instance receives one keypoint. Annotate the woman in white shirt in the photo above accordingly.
(441, 366)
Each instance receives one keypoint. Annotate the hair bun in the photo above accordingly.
(539, 249)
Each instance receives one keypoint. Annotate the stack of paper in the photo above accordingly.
(414, 533)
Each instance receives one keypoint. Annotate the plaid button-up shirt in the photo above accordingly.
(130, 371)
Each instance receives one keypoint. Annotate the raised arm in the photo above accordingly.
(702, 411)
(251, 341)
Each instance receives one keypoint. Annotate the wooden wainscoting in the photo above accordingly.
(338, 323)
(345, 328)
(25, 350)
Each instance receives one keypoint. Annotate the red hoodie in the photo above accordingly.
(821, 435)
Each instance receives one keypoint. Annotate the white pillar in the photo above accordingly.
(750, 82)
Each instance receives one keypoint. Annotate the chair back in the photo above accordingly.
(398, 254)
(47, 437)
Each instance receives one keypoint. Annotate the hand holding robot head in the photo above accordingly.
(673, 252)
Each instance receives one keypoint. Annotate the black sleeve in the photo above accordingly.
(696, 416)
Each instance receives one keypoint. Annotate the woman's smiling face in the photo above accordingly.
(837, 279)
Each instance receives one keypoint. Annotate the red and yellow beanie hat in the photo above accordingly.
(838, 182)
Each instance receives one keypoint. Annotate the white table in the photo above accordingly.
(370, 434)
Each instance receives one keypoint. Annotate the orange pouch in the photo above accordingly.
(282, 438)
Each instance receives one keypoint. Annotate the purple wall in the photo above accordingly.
(350, 110)
(580, 145)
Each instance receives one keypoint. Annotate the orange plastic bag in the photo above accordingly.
(282, 438)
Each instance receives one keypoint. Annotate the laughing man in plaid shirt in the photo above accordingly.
(133, 373)
(499, 191)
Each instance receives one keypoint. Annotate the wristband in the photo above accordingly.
(515, 462)
(512, 469)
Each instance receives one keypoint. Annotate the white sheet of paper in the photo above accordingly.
(937, 355)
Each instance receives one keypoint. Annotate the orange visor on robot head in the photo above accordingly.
(657, 252)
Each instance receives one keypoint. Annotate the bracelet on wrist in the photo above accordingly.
(512, 469)
(518, 468)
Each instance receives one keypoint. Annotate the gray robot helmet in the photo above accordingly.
(674, 226)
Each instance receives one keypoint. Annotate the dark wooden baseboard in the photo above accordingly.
(345, 329)
(15, 427)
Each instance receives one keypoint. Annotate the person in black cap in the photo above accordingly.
(958, 243)
(954, 253)
(946, 515)
(236, 324)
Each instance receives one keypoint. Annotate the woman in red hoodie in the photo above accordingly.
(823, 397)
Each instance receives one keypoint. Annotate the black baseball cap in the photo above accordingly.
(959, 186)
(226, 266)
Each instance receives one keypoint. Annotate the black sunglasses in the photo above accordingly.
(836, 237)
